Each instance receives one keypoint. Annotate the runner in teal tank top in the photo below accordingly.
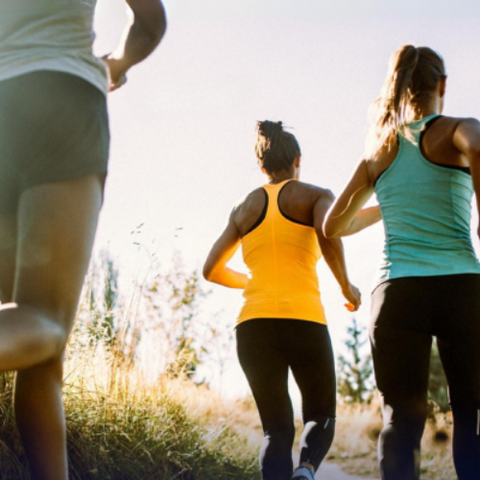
(54, 143)
(424, 168)
(426, 212)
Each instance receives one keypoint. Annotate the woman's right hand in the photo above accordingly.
(353, 296)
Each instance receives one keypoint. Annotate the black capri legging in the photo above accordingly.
(406, 313)
(267, 348)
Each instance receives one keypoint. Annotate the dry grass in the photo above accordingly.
(125, 426)
(131, 411)
(355, 444)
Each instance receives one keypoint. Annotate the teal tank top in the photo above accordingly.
(426, 210)
(49, 35)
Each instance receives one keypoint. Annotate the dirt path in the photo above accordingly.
(331, 471)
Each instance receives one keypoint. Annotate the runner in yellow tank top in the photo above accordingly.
(282, 325)
(281, 255)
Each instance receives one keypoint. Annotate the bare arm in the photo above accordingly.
(139, 39)
(215, 268)
(363, 219)
(345, 216)
(467, 139)
(333, 253)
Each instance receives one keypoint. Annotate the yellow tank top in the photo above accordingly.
(281, 256)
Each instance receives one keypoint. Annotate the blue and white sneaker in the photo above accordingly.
(303, 473)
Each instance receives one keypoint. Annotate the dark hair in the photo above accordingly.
(275, 149)
(413, 76)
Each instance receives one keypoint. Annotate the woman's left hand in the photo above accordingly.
(353, 296)
(117, 72)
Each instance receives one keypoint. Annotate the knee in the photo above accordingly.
(53, 330)
(405, 418)
(322, 427)
(278, 440)
(281, 434)
(54, 340)
(59, 336)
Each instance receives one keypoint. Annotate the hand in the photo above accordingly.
(117, 72)
(353, 296)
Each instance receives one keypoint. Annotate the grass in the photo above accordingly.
(123, 427)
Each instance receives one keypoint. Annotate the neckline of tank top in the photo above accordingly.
(427, 120)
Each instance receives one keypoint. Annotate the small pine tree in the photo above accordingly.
(355, 370)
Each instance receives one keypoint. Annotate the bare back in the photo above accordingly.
(436, 144)
(296, 200)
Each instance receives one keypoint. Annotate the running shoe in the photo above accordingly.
(303, 473)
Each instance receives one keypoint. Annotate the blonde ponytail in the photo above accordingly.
(413, 75)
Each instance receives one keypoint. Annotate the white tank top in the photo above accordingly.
(49, 35)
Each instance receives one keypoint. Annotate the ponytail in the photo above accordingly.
(413, 76)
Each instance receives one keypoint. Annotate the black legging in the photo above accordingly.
(266, 349)
(406, 313)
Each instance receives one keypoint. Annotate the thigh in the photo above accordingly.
(53, 159)
(400, 336)
(266, 369)
(312, 364)
(56, 229)
(458, 337)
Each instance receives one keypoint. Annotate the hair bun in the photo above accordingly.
(268, 128)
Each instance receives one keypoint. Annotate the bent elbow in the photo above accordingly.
(150, 17)
(472, 151)
(329, 231)
(212, 274)
(327, 234)
(161, 28)
(207, 273)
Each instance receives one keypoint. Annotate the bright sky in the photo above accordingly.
(183, 126)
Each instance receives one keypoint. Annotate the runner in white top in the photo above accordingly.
(53, 163)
